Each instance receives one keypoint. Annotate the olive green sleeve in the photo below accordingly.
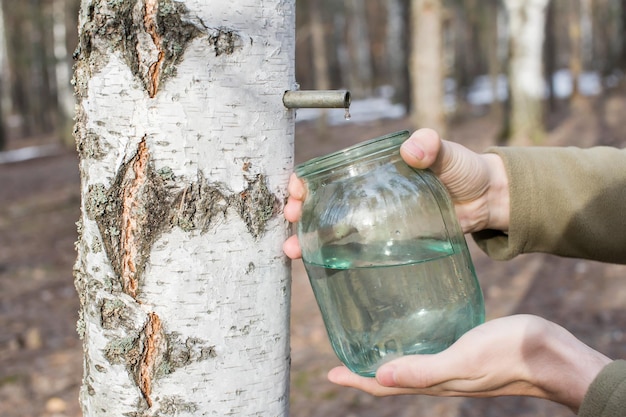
(606, 396)
(565, 201)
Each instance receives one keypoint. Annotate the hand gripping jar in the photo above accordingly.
(385, 255)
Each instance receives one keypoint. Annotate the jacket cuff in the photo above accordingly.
(606, 396)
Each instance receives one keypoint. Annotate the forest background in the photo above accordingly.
(372, 48)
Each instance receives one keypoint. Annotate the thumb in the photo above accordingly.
(421, 149)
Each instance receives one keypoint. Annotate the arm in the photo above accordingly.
(518, 355)
(564, 201)
(607, 394)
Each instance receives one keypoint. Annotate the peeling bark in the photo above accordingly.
(150, 22)
(130, 215)
(152, 355)
(130, 206)
(152, 35)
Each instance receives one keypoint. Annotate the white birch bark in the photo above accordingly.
(527, 86)
(185, 150)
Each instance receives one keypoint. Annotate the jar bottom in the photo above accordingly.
(375, 314)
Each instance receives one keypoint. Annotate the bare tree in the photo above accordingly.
(576, 46)
(358, 40)
(185, 150)
(398, 49)
(427, 65)
(62, 70)
(526, 82)
(321, 79)
(5, 98)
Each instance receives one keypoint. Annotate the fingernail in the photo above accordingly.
(413, 149)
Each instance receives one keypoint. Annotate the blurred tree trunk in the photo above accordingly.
(42, 104)
(608, 40)
(586, 30)
(185, 151)
(62, 71)
(426, 65)
(397, 50)
(320, 59)
(623, 27)
(467, 51)
(575, 43)
(492, 41)
(341, 46)
(550, 54)
(361, 76)
(526, 82)
(19, 64)
(5, 98)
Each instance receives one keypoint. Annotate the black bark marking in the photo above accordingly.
(224, 41)
(181, 353)
(125, 350)
(114, 314)
(257, 205)
(196, 206)
(174, 405)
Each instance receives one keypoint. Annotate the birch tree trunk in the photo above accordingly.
(526, 24)
(185, 150)
(427, 65)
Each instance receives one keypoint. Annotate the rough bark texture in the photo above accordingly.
(185, 149)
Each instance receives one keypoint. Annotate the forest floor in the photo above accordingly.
(40, 353)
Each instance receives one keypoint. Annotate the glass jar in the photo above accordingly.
(385, 255)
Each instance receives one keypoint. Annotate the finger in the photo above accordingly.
(291, 247)
(341, 375)
(296, 188)
(421, 150)
(293, 209)
(414, 371)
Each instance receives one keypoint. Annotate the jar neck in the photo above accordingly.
(363, 166)
(354, 160)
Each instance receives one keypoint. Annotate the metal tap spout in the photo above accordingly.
(316, 99)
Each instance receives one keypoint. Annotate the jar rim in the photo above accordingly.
(336, 159)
